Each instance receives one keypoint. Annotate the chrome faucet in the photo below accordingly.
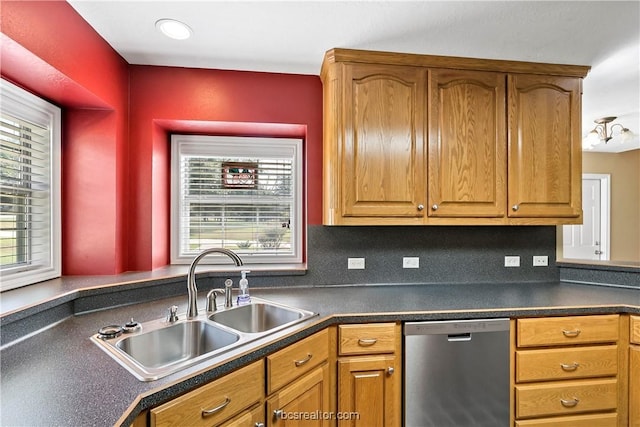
(192, 289)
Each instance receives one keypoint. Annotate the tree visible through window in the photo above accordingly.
(242, 194)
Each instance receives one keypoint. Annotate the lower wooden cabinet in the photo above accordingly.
(305, 402)
(634, 372)
(369, 375)
(592, 420)
(570, 371)
(369, 387)
(252, 417)
(216, 402)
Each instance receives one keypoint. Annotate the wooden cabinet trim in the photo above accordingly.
(435, 61)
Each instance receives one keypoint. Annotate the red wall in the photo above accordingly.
(49, 49)
(117, 121)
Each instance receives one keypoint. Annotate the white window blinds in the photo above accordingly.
(30, 188)
(242, 194)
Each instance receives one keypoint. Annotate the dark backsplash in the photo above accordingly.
(448, 254)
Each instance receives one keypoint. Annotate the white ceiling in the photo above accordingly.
(292, 37)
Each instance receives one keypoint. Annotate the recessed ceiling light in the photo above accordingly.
(174, 29)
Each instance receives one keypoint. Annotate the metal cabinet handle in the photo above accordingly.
(258, 424)
(434, 207)
(571, 334)
(420, 207)
(515, 208)
(390, 370)
(597, 252)
(303, 361)
(569, 403)
(366, 342)
(569, 367)
(208, 412)
(277, 414)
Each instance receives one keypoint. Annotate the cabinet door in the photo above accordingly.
(305, 402)
(467, 144)
(545, 152)
(368, 390)
(634, 385)
(383, 169)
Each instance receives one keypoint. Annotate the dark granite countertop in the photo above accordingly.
(58, 377)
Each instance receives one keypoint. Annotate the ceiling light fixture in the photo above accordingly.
(601, 133)
(174, 29)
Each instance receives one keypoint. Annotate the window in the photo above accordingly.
(30, 188)
(243, 194)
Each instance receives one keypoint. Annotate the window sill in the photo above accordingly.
(22, 302)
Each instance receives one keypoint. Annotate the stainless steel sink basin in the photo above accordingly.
(161, 348)
(259, 317)
(176, 344)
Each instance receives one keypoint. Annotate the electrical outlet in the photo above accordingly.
(410, 262)
(355, 263)
(540, 260)
(512, 261)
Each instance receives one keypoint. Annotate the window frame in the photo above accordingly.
(243, 147)
(29, 107)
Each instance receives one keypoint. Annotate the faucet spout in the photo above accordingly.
(192, 289)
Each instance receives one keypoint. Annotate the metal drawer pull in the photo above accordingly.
(303, 361)
(571, 334)
(390, 370)
(277, 414)
(569, 403)
(365, 342)
(207, 412)
(569, 368)
(259, 424)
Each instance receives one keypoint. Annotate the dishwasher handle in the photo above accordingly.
(459, 337)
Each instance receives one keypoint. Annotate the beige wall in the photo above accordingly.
(624, 169)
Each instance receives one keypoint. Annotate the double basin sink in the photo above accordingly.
(160, 348)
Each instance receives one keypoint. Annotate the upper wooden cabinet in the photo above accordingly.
(545, 150)
(467, 144)
(376, 157)
(417, 139)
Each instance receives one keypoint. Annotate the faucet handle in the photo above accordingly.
(211, 300)
(173, 314)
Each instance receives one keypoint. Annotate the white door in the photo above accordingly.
(590, 240)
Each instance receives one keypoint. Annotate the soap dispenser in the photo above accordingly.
(244, 297)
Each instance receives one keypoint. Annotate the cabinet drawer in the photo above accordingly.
(369, 338)
(224, 398)
(567, 330)
(634, 332)
(565, 397)
(288, 364)
(566, 363)
(593, 420)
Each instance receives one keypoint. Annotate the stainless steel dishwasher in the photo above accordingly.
(456, 373)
